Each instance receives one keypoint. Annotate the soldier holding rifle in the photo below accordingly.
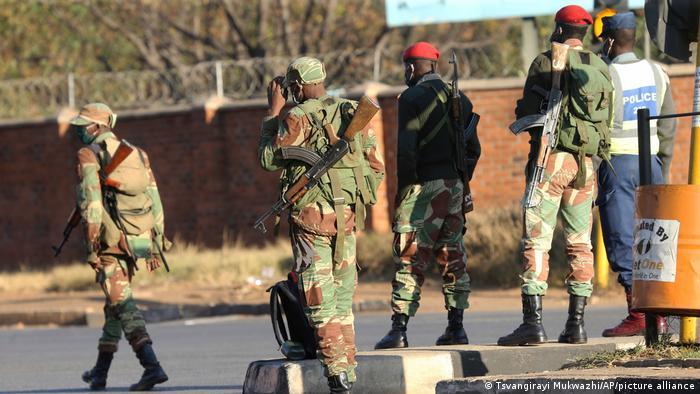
(330, 171)
(119, 204)
(566, 109)
(437, 152)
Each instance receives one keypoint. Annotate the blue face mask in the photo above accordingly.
(85, 137)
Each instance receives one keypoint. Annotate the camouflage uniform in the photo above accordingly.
(568, 184)
(556, 190)
(108, 248)
(324, 257)
(429, 220)
(121, 313)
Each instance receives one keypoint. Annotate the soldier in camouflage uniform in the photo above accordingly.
(323, 222)
(429, 221)
(560, 188)
(114, 240)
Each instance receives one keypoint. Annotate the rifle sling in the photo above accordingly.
(446, 116)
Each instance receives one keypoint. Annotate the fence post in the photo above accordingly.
(219, 79)
(71, 90)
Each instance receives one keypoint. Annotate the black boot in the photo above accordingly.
(574, 331)
(454, 333)
(396, 338)
(97, 376)
(339, 383)
(531, 332)
(153, 373)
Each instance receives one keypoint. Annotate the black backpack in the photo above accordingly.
(296, 338)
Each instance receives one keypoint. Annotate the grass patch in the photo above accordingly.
(665, 350)
(492, 241)
(493, 250)
(190, 264)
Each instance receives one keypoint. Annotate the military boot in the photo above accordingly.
(454, 333)
(97, 376)
(153, 374)
(339, 384)
(531, 332)
(396, 338)
(574, 331)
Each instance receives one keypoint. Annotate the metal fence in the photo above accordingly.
(235, 79)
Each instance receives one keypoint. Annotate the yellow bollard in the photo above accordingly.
(688, 324)
(602, 266)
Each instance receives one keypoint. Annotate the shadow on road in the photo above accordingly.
(123, 389)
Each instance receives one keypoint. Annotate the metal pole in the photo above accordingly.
(651, 334)
(219, 79)
(689, 324)
(602, 266)
(71, 90)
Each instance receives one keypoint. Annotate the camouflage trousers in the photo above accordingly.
(428, 226)
(328, 287)
(121, 312)
(556, 191)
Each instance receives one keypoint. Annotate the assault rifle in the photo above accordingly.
(366, 110)
(548, 121)
(123, 151)
(465, 164)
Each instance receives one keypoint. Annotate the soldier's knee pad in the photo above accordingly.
(138, 338)
(108, 347)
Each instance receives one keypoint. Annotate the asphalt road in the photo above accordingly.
(211, 355)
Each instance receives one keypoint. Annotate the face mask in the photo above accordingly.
(607, 47)
(84, 135)
(408, 75)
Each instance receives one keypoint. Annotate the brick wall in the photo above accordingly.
(209, 178)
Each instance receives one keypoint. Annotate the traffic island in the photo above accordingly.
(418, 370)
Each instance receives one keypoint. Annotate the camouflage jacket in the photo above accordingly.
(301, 127)
(101, 234)
(421, 111)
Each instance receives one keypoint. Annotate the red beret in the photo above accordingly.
(573, 15)
(421, 50)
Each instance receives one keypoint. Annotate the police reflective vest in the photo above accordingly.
(638, 84)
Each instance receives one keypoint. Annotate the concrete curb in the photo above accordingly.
(418, 370)
(154, 314)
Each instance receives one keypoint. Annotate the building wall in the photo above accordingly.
(211, 184)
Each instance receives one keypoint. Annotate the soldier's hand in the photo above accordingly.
(95, 264)
(275, 96)
(152, 264)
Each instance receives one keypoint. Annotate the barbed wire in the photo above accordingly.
(237, 80)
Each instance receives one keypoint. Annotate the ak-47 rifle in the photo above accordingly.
(366, 109)
(123, 151)
(548, 121)
(465, 163)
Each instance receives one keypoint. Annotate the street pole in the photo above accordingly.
(602, 266)
(651, 332)
(689, 324)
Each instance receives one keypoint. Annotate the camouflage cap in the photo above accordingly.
(305, 70)
(95, 113)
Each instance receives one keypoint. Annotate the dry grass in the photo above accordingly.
(665, 350)
(493, 247)
(190, 264)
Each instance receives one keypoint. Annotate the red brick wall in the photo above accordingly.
(209, 178)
